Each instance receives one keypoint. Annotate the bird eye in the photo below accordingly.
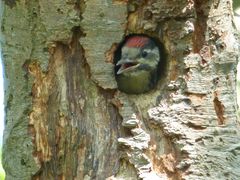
(144, 54)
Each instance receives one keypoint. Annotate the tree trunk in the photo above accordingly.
(65, 118)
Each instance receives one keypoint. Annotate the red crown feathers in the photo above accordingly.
(137, 41)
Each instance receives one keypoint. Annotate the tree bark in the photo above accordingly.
(65, 118)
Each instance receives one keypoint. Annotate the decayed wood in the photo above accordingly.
(65, 118)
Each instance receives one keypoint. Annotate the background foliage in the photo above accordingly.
(2, 174)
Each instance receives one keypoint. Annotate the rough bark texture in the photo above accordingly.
(65, 118)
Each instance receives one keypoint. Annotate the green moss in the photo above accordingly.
(10, 3)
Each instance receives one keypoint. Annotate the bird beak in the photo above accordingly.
(123, 61)
(126, 65)
(121, 69)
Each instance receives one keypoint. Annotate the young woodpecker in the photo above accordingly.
(136, 70)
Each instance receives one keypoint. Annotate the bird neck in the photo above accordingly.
(135, 82)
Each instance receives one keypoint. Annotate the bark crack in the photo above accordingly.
(200, 24)
(219, 109)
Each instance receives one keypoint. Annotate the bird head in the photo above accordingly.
(138, 53)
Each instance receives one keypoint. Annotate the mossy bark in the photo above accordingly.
(65, 118)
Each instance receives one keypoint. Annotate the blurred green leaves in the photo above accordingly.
(2, 173)
(236, 4)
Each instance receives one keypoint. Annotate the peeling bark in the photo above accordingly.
(65, 118)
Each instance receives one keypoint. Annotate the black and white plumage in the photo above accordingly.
(137, 64)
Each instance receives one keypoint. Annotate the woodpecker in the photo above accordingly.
(137, 69)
